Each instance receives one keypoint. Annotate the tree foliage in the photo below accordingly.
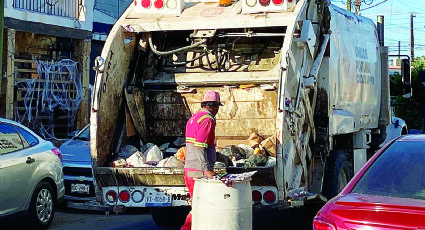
(409, 108)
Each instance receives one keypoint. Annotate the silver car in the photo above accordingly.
(31, 178)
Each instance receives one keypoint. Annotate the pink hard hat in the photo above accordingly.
(212, 96)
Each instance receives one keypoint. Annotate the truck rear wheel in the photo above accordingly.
(169, 216)
(337, 174)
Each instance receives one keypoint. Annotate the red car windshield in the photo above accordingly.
(398, 172)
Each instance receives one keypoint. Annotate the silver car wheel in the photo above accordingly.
(44, 205)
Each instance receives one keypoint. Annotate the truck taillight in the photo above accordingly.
(160, 6)
(322, 225)
(269, 196)
(58, 153)
(253, 6)
(111, 196)
(146, 3)
(264, 2)
(256, 196)
(124, 196)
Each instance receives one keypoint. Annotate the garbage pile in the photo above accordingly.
(260, 152)
(150, 155)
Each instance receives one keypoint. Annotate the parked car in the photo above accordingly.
(387, 193)
(31, 179)
(77, 167)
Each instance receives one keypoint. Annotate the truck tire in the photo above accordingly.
(337, 174)
(169, 216)
(42, 207)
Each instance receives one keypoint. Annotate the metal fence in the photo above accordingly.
(64, 8)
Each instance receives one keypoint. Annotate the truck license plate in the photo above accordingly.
(158, 200)
(80, 188)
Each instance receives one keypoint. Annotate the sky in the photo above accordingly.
(396, 21)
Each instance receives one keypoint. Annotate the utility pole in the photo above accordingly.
(412, 38)
(358, 3)
(349, 5)
(398, 49)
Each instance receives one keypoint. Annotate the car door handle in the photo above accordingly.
(30, 160)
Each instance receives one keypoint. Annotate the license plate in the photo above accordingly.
(158, 200)
(80, 188)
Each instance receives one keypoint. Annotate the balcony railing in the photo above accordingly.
(64, 8)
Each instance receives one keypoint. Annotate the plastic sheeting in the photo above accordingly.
(57, 87)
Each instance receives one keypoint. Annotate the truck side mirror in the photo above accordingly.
(98, 63)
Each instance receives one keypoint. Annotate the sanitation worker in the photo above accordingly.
(200, 145)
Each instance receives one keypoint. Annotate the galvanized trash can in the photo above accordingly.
(216, 206)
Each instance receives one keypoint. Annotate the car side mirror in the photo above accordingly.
(73, 133)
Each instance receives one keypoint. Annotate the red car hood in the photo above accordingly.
(354, 211)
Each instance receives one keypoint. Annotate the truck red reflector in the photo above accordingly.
(111, 196)
(322, 225)
(277, 2)
(146, 3)
(289, 0)
(124, 196)
(269, 196)
(256, 196)
(264, 2)
(159, 4)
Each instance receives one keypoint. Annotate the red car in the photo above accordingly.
(387, 193)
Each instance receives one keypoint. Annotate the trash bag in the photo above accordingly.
(173, 162)
(234, 152)
(256, 159)
(144, 148)
(181, 154)
(161, 163)
(118, 162)
(126, 151)
(153, 154)
(179, 142)
(219, 164)
(136, 159)
(164, 146)
(170, 152)
(271, 162)
(239, 163)
(226, 160)
(248, 149)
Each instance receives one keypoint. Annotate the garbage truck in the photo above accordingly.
(304, 87)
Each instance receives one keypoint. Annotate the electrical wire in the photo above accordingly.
(374, 5)
(370, 3)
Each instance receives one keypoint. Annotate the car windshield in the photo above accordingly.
(84, 135)
(398, 172)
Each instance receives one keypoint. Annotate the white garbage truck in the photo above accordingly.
(307, 77)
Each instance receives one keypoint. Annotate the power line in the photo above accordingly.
(373, 5)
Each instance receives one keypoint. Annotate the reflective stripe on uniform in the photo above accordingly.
(196, 143)
(205, 116)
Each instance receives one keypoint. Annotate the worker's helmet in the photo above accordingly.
(212, 96)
